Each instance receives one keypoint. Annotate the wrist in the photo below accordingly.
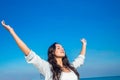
(11, 30)
(84, 44)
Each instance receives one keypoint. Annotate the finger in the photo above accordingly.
(82, 39)
(3, 22)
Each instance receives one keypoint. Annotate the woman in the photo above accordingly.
(57, 67)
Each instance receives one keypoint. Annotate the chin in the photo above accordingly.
(61, 56)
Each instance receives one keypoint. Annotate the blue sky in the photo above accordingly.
(40, 23)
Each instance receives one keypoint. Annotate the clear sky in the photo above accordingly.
(39, 23)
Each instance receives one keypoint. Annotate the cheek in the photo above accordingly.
(58, 53)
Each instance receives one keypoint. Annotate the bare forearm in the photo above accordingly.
(20, 43)
(83, 51)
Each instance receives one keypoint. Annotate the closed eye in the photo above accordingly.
(58, 48)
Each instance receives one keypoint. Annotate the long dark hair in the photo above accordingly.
(56, 69)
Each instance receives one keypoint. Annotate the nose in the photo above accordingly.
(62, 49)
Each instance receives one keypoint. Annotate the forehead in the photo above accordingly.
(58, 45)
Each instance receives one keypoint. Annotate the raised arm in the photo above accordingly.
(19, 42)
(84, 43)
(80, 59)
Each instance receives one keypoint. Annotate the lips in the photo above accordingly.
(62, 52)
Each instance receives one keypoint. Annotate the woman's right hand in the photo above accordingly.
(6, 26)
(19, 42)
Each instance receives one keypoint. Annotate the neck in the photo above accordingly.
(59, 61)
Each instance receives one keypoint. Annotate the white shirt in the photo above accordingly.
(68, 76)
(45, 68)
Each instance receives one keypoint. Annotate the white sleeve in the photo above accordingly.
(78, 61)
(39, 63)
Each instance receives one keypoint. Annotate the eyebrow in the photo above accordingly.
(58, 46)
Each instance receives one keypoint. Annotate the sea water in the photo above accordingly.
(103, 78)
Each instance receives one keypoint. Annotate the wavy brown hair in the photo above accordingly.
(56, 69)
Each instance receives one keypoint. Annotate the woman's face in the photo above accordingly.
(59, 51)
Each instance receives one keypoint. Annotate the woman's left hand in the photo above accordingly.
(84, 42)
